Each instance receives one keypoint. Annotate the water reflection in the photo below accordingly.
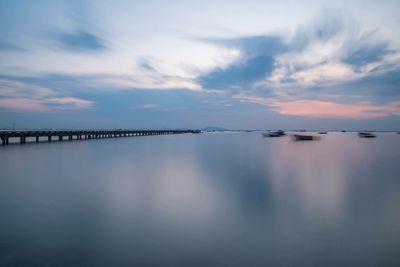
(312, 177)
(202, 200)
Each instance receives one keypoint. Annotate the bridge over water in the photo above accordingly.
(38, 136)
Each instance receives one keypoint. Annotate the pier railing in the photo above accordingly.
(37, 136)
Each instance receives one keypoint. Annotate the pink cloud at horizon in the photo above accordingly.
(44, 105)
(325, 109)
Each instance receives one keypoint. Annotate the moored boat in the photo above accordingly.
(322, 132)
(274, 133)
(366, 135)
(300, 137)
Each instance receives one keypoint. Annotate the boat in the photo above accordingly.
(281, 132)
(343, 131)
(300, 137)
(322, 132)
(274, 133)
(278, 133)
(366, 135)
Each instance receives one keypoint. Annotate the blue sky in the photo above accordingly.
(236, 64)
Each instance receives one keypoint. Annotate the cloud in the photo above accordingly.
(298, 74)
(377, 88)
(68, 103)
(9, 47)
(366, 53)
(145, 106)
(330, 50)
(22, 105)
(240, 75)
(79, 41)
(147, 64)
(256, 61)
(19, 96)
(17, 89)
(318, 75)
(43, 105)
(286, 71)
(150, 75)
(145, 81)
(325, 109)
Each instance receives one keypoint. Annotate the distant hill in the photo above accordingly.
(214, 129)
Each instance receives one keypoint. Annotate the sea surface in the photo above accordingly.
(214, 199)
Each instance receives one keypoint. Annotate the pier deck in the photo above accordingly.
(37, 136)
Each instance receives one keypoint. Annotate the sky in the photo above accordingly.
(192, 64)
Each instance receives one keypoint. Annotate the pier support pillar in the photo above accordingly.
(60, 138)
(22, 139)
(49, 138)
(37, 139)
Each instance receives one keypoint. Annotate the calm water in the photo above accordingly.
(226, 199)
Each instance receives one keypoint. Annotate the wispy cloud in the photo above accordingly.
(122, 57)
(22, 105)
(68, 103)
(6, 46)
(43, 105)
(23, 97)
(332, 49)
(78, 41)
(300, 72)
(256, 62)
(145, 106)
(324, 109)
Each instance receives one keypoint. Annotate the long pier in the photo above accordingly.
(37, 136)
